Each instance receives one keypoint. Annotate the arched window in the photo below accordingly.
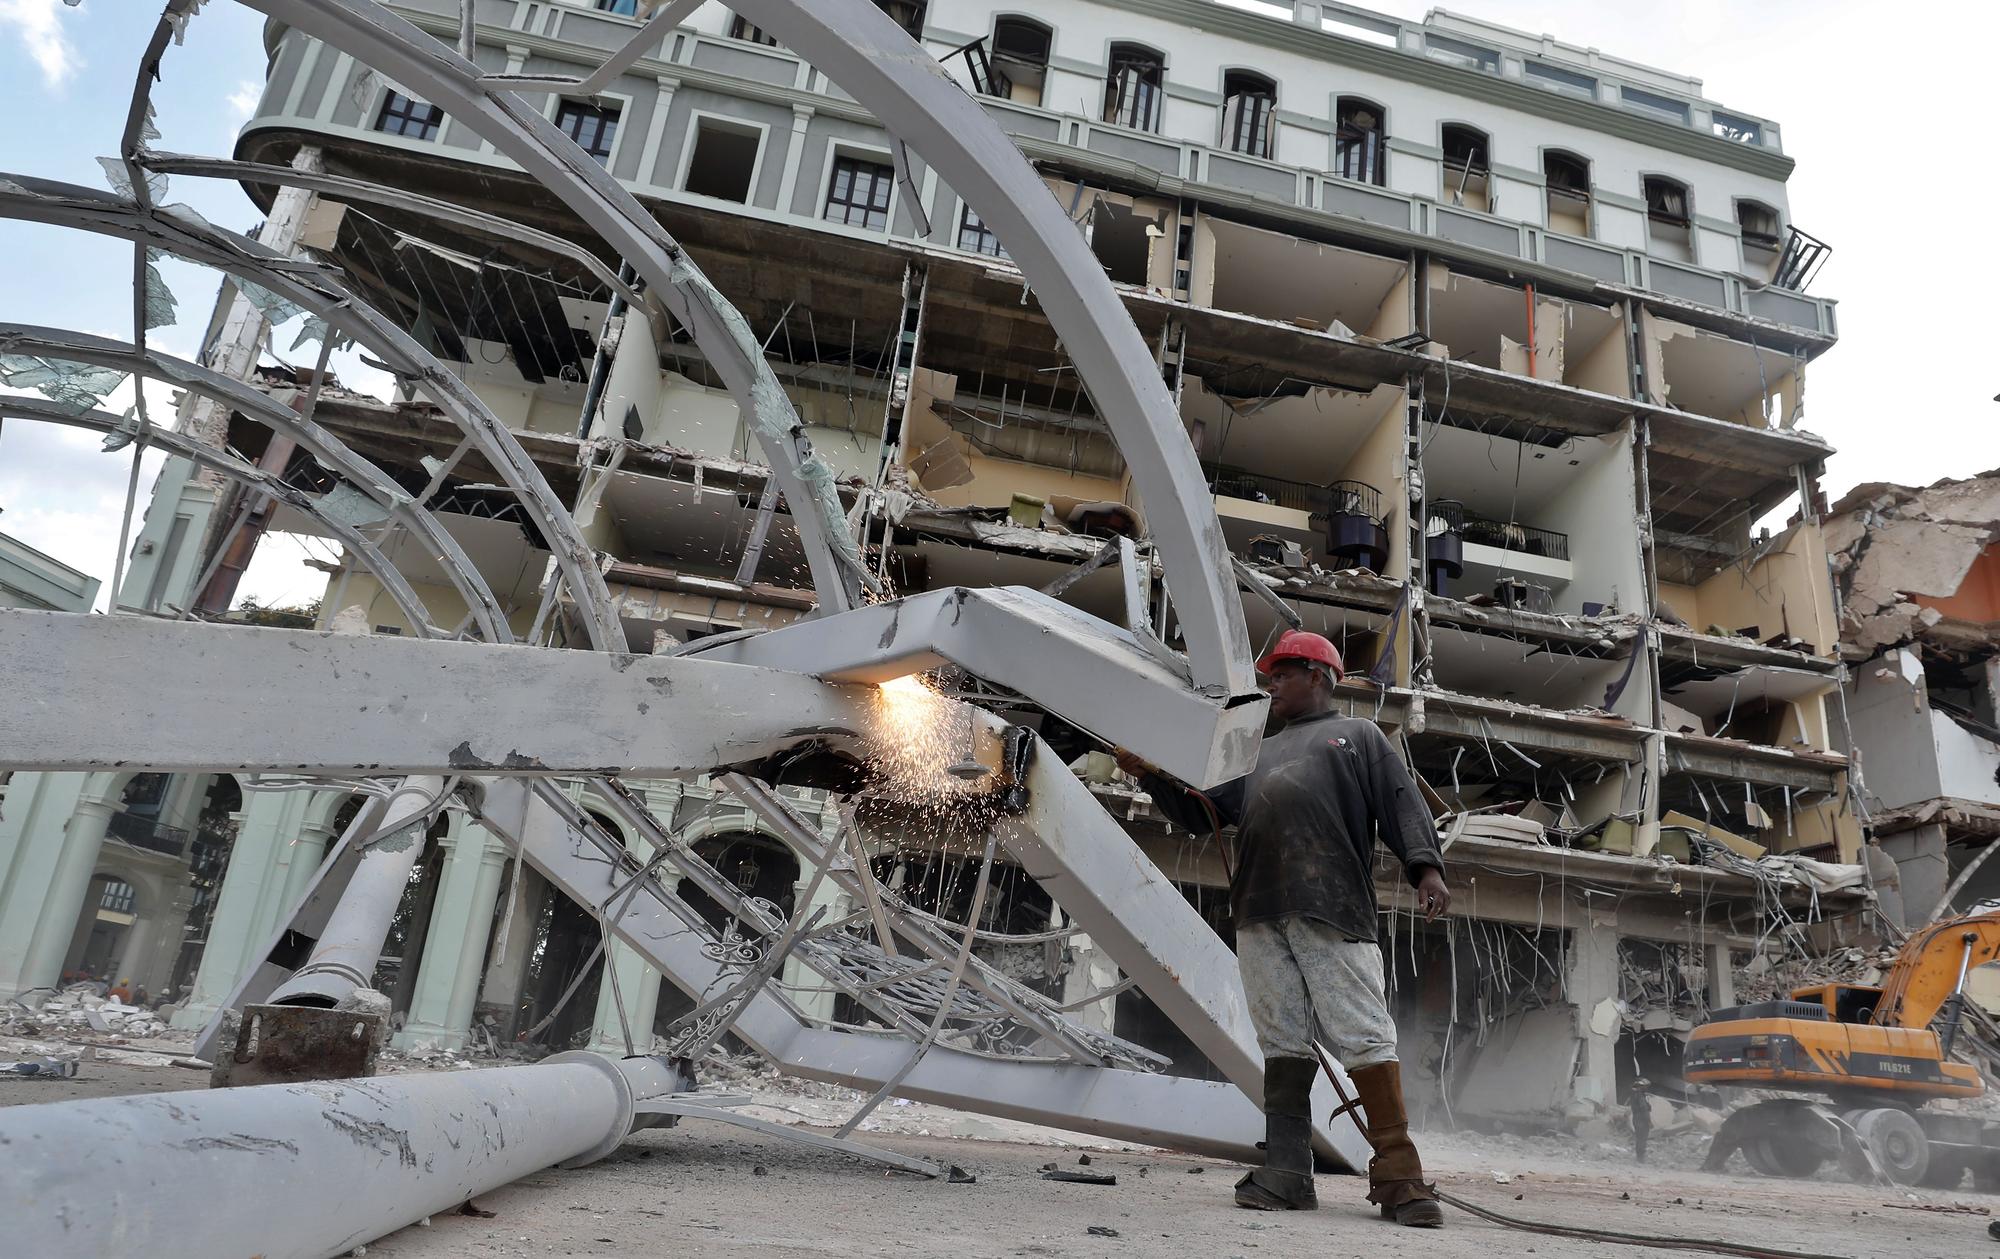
(1133, 87)
(1249, 113)
(1567, 178)
(1020, 59)
(1762, 227)
(1468, 156)
(1667, 201)
(1358, 141)
(909, 14)
(1669, 218)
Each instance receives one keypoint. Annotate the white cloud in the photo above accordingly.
(37, 25)
(243, 101)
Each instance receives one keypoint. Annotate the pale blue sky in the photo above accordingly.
(1883, 109)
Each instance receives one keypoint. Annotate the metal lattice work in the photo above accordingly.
(488, 715)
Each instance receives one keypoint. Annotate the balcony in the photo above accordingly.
(142, 831)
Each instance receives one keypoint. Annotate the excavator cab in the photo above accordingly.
(1843, 1003)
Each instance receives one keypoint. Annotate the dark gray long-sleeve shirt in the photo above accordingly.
(1325, 788)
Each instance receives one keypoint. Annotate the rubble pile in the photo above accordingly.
(79, 1011)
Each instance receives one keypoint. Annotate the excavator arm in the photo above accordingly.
(1927, 972)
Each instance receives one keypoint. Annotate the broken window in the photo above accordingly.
(1122, 238)
(1467, 154)
(975, 237)
(909, 14)
(1358, 141)
(748, 31)
(593, 127)
(724, 160)
(1567, 178)
(859, 193)
(402, 116)
(1249, 109)
(1669, 219)
(1020, 59)
(1760, 224)
(1736, 130)
(1132, 89)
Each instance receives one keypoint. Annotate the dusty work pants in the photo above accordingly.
(1305, 983)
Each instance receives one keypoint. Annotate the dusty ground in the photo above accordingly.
(697, 1189)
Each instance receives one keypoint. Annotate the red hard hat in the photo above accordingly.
(1301, 645)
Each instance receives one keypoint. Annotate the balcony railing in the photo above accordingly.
(1257, 488)
(1508, 536)
(145, 832)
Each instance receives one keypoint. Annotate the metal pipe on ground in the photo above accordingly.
(312, 1170)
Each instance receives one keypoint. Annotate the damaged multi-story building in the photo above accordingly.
(1919, 577)
(1493, 349)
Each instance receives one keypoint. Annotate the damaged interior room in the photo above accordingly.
(798, 519)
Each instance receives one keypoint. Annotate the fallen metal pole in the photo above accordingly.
(344, 959)
(312, 1170)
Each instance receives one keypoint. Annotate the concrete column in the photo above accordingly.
(245, 905)
(1721, 978)
(134, 950)
(640, 986)
(83, 839)
(1923, 869)
(638, 983)
(455, 946)
(1592, 980)
(301, 859)
(156, 969)
(813, 994)
(32, 826)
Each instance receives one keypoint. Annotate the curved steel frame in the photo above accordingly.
(877, 63)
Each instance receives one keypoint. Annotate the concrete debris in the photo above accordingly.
(1899, 552)
(42, 1068)
(78, 1009)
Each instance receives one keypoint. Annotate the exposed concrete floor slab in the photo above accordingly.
(696, 1189)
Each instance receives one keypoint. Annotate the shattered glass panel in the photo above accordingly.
(120, 179)
(274, 308)
(160, 303)
(317, 329)
(345, 503)
(74, 387)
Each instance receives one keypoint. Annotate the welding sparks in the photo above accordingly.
(925, 746)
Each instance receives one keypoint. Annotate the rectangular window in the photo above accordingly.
(628, 8)
(402, 116)
(117, 896)
(1557, 79)
(859, 193)
(975, 237)
(1736, 130)
(1658, 106)
(593, 128)
(1454, 52)
(723, 161)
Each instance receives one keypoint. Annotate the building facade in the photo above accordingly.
(1494, 351)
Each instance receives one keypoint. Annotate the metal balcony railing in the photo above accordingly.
(1515, 537)
(145, 832)
(1257, 488)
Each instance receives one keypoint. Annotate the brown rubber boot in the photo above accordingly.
(1395, 1174)
(1285, 1181)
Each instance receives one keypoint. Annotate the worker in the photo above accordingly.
(1302, 893)
(122, 993)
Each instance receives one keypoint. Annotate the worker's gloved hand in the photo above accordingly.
(1433, 897)
(1133, 765)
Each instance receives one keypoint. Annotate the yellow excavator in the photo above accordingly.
(1876, 1056)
